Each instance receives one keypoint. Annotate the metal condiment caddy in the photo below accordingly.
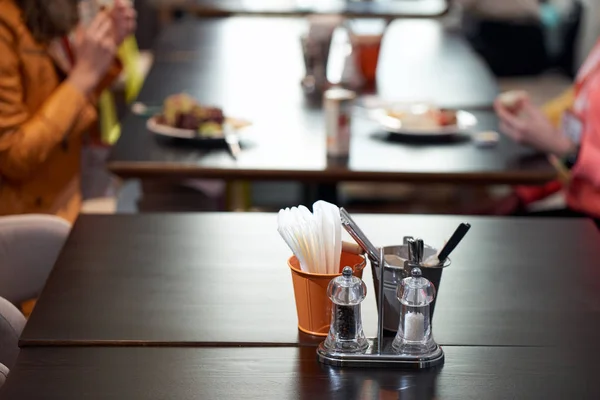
(412, 347)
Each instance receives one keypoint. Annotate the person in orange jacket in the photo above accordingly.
(52, 71)
(577, 137)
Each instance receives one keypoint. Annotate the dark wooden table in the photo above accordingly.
(386, 8)
(222, 280)
(293, 373)
(252, 67)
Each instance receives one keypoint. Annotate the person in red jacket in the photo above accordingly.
(577, 138)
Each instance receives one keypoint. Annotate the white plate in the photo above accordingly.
(465, 123)
(169, 131)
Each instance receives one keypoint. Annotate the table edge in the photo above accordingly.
(145, 169)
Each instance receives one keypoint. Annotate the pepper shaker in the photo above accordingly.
(414, 337)
(346, 333)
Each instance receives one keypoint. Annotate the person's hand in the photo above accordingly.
(530, 126)
(124, 20)
(95, 51)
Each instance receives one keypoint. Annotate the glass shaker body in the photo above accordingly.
(414, 336)
(346, 333)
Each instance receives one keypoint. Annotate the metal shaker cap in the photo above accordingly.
(416, 291)
(347, 289)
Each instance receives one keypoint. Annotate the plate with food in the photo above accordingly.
(418, 120)
(183, 117)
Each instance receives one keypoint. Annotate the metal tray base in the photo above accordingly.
(387, 358)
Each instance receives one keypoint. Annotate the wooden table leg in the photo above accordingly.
(239, 196)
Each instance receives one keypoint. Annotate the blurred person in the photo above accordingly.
(522, 37)
(505, 9)
(576, 139)
(52, 72)
(507, 34)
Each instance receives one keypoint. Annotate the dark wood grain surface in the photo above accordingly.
(222, 279)
(386, 8)
(252, 68)
(293, 373)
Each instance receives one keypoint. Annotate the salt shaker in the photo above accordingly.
(414, 336)
(346, 333)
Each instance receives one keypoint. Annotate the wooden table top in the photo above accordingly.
(222, 279)
(386, 8)
(294, 373)
(252, 68)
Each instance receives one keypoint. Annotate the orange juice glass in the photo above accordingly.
(366, 36)
(367, 49)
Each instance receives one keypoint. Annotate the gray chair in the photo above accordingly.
(3, 374)
(12, 323)
(29, 246)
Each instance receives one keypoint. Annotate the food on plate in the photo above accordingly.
(446, 117)
(429, 118)
(184, 112)
(512, 100)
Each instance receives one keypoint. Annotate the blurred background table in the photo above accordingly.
(252, 67)
(353, 8)
(221, 279)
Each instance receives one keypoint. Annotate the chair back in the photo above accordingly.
(29, 247)
(12, 323)
(3, 374)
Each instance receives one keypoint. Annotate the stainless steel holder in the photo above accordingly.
(373, 358)
(380, 352)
